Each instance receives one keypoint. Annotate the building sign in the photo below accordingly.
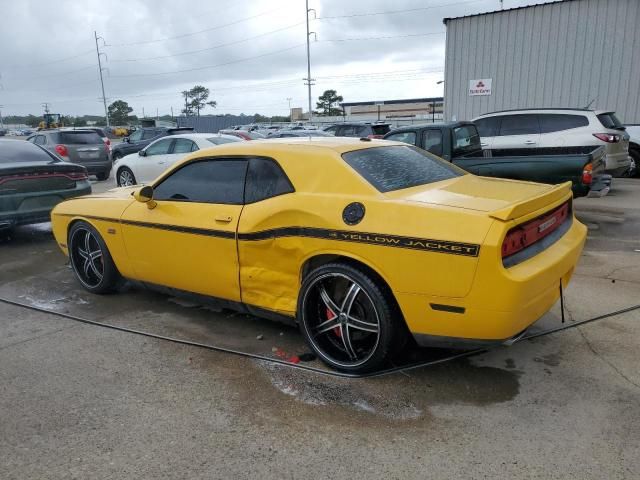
(481, 86)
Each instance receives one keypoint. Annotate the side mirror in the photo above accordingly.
(125, 139)
(142, 153)
(145, 195)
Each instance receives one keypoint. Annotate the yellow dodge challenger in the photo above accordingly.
(364, 243)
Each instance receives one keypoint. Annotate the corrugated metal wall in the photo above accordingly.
(556, 55)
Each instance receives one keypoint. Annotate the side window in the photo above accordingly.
(136, 136)
(194, 147)
(40, 140)
(206, 181)
(183, 145)
(406, 137)
(265, 179)
(161, 147)
(554, 122)
(149, 134)
(31, 139)
(432, 140)
(488, 127)
(348, 131)
(525, 124)
(363, 131)
(331, 130)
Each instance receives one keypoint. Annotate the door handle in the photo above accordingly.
(223, 218)
(530, 142)
(483, 144)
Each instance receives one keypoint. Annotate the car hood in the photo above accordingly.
(503, 199)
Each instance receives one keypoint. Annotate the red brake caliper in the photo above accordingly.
(336, 330)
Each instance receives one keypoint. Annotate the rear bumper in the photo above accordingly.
(28, 208)
(617, 164)
(502, 303)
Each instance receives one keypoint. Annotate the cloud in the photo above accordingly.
(48, 52)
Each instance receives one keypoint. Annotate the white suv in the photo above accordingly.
(563, 127)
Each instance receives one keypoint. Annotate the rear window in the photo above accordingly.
(380, 129)
(16, 151)
(398, 167)
(79, 138)
(465, 139)
(609, 120)
(221, 140)
(553, 122)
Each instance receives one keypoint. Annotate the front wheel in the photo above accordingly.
(348, 318)
(91, 260)
(125, 177)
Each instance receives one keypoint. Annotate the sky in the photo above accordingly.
(251, 54)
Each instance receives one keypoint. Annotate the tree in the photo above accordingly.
(198, 96)
(119, 112)
(33, 121)
(79, 122)
(327, 103)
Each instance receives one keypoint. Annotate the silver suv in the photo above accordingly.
(84, 147)
(546, 128)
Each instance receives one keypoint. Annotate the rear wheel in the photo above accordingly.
(125, 177)
(348, 319)
(102, 176)
(91, 260)
(634, 153)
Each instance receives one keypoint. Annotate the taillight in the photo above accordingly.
(587, 174)
(62, 150)
(608, 137)
(522, 236)
(78, 175)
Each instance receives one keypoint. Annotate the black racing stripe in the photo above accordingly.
(181, 229)
(425, 244)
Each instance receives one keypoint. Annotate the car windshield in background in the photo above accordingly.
(12, 151)
(609, 120)
(221, 140)
(466, 139)
(399, 167)
(79, 138)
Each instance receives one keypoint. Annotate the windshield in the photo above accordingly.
(465, 140)
(398, 167)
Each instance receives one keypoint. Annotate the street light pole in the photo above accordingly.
(104, 98)
(309, 79)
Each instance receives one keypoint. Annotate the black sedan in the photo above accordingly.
(33, 181)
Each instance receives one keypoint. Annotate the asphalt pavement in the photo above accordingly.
(80, 401)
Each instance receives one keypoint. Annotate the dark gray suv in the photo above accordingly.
(84, 147)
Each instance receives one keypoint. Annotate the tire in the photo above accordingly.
(91, 260)
(125, 177)
(634, 153)
(102, 176)
(349, 320)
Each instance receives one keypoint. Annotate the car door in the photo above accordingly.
(154, 160)
(487, 129)
(269, 264)
(188, 240)
(432, 141)
(517, 131)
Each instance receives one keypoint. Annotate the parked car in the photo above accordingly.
(339, 244)
(298, 133)
(155, 158)
(244, 134)
(368, 130)
(634, 148)
(81, 146)
(558, 127)
(459, 143)
(33, 181)
(142, 137)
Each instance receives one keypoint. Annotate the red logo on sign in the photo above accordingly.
(480, 84)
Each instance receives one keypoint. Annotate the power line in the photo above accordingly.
(191, 52)
(49, 62)
(410, 35)
(217, 27)
(206, 67)
(393, 12)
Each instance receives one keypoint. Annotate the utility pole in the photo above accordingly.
(309, 80)
(1, 123)
(143, 115)
(45, 105)
(104, 98)
(289, 101)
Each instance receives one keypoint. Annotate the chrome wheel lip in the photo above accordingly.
(89, 255)
(310, 335)
(125, 178)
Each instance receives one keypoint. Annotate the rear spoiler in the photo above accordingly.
(522, 208)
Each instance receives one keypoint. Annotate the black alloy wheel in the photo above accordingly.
(90, 259)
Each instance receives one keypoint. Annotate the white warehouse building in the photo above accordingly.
(571, 53)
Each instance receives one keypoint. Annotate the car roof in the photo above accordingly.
(544, 109)
(418, 126)
(202, 135)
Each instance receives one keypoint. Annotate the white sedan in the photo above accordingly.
(146, 165)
